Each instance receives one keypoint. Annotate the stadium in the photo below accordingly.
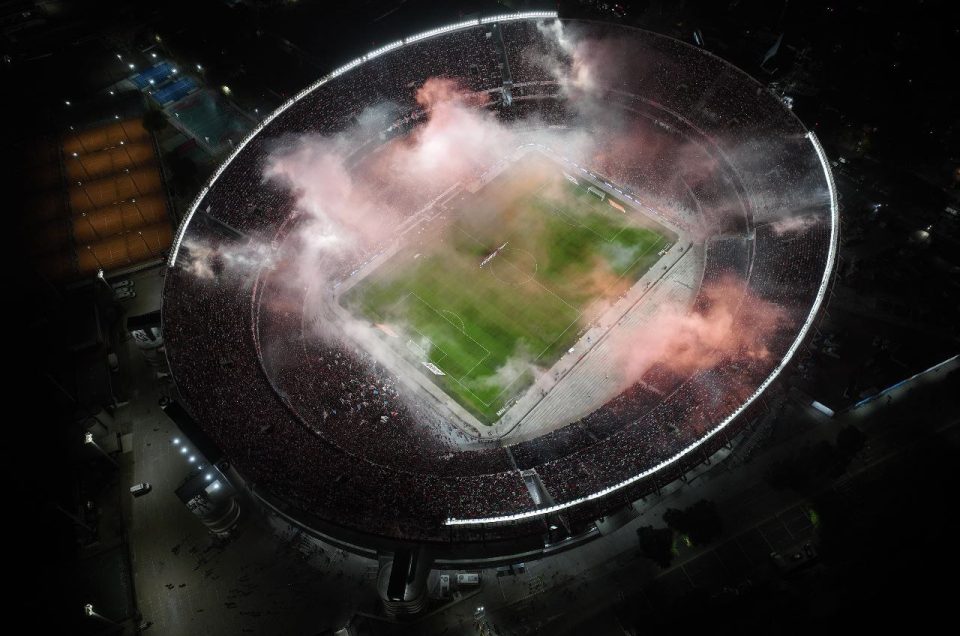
(492, 282)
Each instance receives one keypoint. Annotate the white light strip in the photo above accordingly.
(527, 15)
(178, 239)
(438, 31)
(821, 294)
(383, 49)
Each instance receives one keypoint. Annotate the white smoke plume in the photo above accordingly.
(351, 202)
(207, 261)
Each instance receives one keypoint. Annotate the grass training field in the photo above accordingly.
(501, 285)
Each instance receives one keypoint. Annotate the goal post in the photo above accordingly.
(597, 192)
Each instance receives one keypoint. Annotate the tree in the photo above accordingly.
(700, 522)
(656, 544)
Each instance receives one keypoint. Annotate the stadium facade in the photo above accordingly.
(326, 433)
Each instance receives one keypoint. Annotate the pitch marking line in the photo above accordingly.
(555, 340)
(538, 283)
(486, 352)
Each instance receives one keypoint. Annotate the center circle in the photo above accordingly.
(513, 266)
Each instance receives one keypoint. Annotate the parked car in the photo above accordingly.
(124, 293)
(140, 489)
(122, 284)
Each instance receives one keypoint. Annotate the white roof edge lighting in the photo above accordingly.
(546, 15)
(527, 15)
(801, 335)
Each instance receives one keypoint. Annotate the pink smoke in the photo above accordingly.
(687, 342)
(357, 204)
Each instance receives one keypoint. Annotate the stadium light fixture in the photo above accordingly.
(153, 55)
(801, 336)
(183, 450)
(209, 476)
(176, 441)
(192, 459)
(88, 609)
(178, 238)
(131, 65)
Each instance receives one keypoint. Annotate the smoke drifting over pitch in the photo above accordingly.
(351, 202)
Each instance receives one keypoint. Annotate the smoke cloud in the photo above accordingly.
(732, 324)
(353, 190)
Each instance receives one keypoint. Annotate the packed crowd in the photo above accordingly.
(325, 426)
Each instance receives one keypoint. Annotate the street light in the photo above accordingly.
(82, 167)
(139, 211)
(145, 244)
(102, 277)
(127, 150)
(79, 139)
(94, 255)
(88, 439)
(91, 613)
(89, 198)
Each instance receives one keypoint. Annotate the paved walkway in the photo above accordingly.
(264, 581)
(757, 520)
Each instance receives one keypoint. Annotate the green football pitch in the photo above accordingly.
(500, 285)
